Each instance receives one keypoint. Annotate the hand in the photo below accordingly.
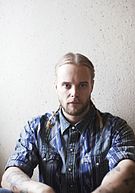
(38, 187)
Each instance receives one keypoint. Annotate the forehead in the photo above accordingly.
(72, 72)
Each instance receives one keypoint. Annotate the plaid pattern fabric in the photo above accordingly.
(73, 158)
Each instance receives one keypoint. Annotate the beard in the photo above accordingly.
(75, 110)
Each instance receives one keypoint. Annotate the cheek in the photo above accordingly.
(85, 95)
(61, 93)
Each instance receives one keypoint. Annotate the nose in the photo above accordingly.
(74, 91)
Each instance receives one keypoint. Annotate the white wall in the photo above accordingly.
(34, 34)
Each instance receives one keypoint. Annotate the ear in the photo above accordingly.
(55, 84)
(92, 85)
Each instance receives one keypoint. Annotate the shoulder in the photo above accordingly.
(39, 121)
(111, 121)
(116, 124)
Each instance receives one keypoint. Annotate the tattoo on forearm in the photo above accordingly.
(130, 180)
(15, 179)
(113, 190)
(23, 191)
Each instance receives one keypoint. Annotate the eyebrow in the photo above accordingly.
(66, 82)
(82, 82)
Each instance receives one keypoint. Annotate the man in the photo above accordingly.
(78, 148)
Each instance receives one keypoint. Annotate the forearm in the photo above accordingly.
(17, 181)
(114, 189)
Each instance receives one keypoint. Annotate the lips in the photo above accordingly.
(74, 102)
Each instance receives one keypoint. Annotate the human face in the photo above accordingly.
(74, 87)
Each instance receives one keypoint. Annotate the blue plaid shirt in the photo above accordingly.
(73, 158)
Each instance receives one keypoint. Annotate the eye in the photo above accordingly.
(66, 85)
(83, 85)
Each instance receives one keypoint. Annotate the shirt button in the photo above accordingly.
(73, 128)
(69, 169)
(71, 149)
(97, 164)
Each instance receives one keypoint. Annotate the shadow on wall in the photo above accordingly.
(2, 165)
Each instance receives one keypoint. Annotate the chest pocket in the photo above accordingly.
(92, 170)
(51, 167)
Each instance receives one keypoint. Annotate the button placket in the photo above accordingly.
(70, 164)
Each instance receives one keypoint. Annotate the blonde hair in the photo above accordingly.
(76, 59)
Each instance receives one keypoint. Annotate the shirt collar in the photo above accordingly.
(65, 124)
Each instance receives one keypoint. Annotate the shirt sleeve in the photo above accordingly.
(25, 155)
(123, 143)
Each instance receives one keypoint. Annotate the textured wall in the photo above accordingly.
(34, 34)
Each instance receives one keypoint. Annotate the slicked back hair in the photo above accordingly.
(76, 59)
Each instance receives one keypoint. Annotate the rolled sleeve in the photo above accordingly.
(25, 155)
(123, 143)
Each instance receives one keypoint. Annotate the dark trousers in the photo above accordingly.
(3, 190)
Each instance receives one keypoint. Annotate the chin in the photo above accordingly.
(76, 112)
